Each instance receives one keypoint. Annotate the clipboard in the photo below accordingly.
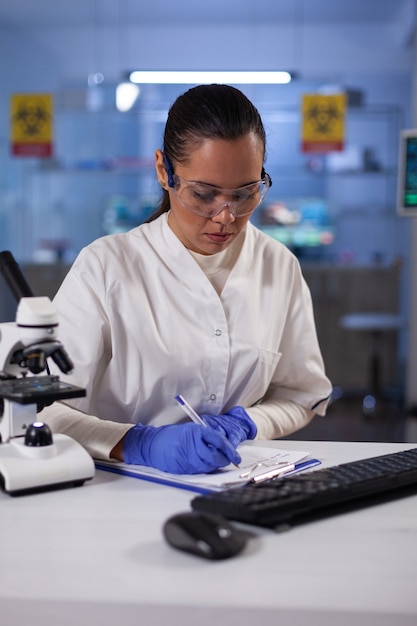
(252, 455)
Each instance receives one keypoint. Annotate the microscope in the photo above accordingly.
(31, 458)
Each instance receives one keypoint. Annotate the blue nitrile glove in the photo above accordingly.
(178, 448)
(235, 424)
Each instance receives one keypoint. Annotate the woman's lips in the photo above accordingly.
(219, 237)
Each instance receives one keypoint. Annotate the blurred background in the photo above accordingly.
(66, 66)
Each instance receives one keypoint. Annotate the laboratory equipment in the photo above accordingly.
(407, 173)
(31, 458)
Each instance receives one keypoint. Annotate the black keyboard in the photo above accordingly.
(289, 500)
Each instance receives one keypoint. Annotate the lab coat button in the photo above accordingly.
(218, 332)
(213, 396)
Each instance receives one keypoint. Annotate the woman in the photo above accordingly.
(196, 302)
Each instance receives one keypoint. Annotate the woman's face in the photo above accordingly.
(218, 163)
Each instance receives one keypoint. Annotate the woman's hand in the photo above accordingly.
(236, 425)
(179, 448)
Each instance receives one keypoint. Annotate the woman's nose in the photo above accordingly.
(225, 216)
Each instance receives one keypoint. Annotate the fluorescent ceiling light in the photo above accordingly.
(126, 95)
(203, 77)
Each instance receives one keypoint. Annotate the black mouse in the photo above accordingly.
(204, 534)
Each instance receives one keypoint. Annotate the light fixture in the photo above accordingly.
(207, 77)
(126, 95)
(126, 92)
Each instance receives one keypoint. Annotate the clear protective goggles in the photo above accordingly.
(208, 201)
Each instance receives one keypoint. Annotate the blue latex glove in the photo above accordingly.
(178, 448)
(236, 425)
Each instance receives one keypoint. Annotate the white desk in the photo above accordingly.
(95, 556)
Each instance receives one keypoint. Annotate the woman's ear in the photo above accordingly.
(161, 172)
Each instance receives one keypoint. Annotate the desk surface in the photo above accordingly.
(95, 555)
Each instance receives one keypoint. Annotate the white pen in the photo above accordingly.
(273, 473)
(188, 409)
(194, 416)
(259, 478)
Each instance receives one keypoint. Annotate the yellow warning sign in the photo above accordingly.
(323, 122)
(31, 125)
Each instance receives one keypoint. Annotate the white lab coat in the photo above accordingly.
(142, 323)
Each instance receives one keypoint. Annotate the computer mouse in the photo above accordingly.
(203, 534)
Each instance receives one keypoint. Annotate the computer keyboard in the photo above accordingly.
(289, 500)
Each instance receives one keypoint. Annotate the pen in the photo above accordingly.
(273, 473)
(188, 409)
(259, 478)
(194, 416)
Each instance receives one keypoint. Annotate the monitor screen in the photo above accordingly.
(407, 174)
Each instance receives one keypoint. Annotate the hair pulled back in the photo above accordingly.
(207, 112)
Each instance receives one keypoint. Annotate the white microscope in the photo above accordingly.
(31, 458)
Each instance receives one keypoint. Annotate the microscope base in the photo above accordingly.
(25, 469)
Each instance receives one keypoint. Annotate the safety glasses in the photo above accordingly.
(208, 201)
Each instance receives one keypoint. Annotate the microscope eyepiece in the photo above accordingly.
(14, 277)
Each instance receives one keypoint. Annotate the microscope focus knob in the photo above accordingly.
(38, 434)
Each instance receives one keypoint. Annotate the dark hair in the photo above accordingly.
(207, 112)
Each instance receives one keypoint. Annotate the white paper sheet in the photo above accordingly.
(252, 455)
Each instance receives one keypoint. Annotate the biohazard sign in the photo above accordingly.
(31, 125)
(323, 122)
